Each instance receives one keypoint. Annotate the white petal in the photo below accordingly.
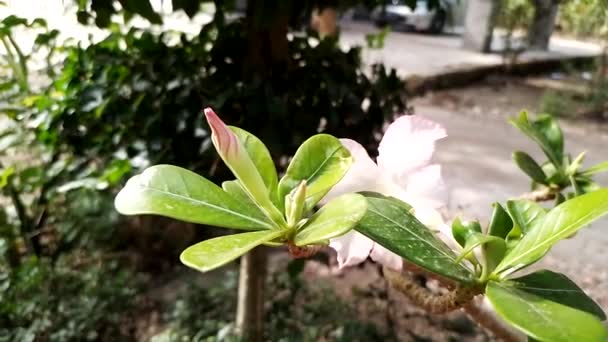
(427, 183)
(361, 176)
(387, 258)
(444, 233)
(352, 248)
(408, 144)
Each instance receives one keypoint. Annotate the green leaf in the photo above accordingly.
(525, 213)
(391, 198)
(462, 230)
(183, 195)
(545, 131)
(558, 288)
(334, 219)
(601, 167)
(530, 167)
(494, 246)
(261, 158)
(234, 188)
(213, 253)
(572, 169)
(561, 222)
(391, 225)
(322, 161)
(500, 223)
(543, 319)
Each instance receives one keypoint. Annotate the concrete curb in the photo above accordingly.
(417, 85)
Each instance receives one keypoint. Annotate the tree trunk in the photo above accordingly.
(250, 306)
(479, 23)
(543, 23)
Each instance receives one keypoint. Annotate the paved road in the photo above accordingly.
(477, 168)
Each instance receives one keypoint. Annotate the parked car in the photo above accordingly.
(399, 16)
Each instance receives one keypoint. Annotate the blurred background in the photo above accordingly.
(94, 91)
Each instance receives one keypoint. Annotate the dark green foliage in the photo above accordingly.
(145, 100)
(39, 302)
(298, 311)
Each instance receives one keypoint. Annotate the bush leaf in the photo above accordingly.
(543, 319)
(175, 192)
(334, 219)
(213, 253)
(561, 222)
(322, 161)
(390, 224)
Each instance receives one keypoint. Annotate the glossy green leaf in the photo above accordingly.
(559, 223)
(529, 166)
(235, 188)
(213, 253)
(525, 213)
(334, 219)
(321, 161)
(391, 198)
(545, 131)
(461, 230)
(294, 204)
(391, 225)
(543, 319)
(183, 195)
(500, 223)
(601, 167)
(261, 158)
(558, 288)
(237, 157)
(495, 247)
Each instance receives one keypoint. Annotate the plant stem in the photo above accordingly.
(458, 297)
(488, 320)
(421, 296)
(250, 305)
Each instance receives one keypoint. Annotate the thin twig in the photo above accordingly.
(541, 195)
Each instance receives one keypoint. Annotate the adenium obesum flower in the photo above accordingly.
(403, 171)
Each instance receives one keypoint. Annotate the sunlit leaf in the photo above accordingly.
(209, 254)
(181, 194)
(601, 167)
(261, 158)
(559, 223)
(321, 161)
(393, 226)
(334, 219)
(543, 319)
(525, 213)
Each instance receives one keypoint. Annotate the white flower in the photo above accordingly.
(403, 171)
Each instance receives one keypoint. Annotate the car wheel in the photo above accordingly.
(438, 22)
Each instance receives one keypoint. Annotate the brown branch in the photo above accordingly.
(422, 297)
(488, 320)
(541, 195)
